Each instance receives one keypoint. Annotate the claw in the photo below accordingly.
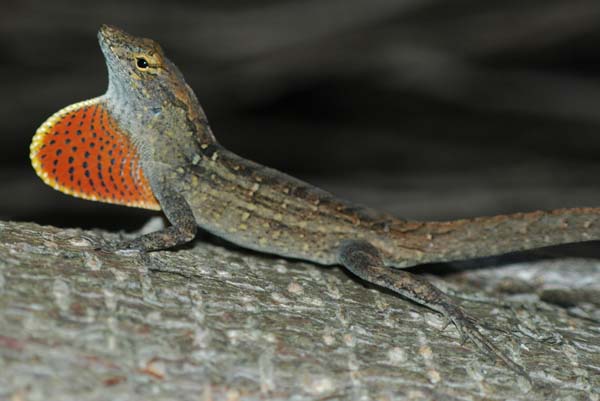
(463, 337)
(449, 318)
(469, 330)
(446, 323)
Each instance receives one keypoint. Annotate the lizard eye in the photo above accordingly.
(141, 63)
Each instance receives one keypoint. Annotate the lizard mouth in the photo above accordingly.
(116, 44)
(106, 32)
(106, 35)
(106, 29)
(111, 32)
(112, 37)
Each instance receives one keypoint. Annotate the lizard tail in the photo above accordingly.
(440, 241)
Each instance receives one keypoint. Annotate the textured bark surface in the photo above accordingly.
(210, 322)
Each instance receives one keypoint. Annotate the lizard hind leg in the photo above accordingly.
(364, 261)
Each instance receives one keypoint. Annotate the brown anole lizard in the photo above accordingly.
(147, 143)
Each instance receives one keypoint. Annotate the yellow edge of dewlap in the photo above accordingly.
(38, 141)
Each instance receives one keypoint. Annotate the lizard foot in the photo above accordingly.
(468, 329)
(364, 260)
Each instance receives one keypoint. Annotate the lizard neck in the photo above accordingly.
(149, 114)
(168, 130)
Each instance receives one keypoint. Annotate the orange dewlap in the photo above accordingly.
(81, 151)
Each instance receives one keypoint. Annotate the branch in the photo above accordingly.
(224, 324)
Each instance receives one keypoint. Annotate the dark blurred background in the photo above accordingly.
(427, 108)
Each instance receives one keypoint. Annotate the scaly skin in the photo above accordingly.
(199, 183)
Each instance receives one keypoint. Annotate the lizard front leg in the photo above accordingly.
(364, 260)
(183, 226)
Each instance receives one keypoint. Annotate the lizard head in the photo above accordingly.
(143, 83)
(147, 126)
(149, 99)
(138, 67)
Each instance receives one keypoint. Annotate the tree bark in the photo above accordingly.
(211, 322)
